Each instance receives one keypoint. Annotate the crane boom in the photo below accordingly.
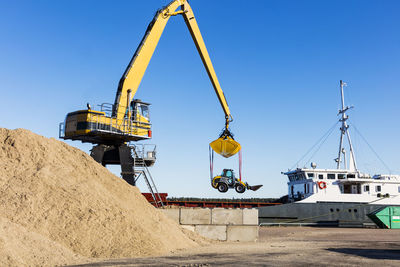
(114, 126)
(128, 119)
(130, 81)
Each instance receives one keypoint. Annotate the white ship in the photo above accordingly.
(343, 195)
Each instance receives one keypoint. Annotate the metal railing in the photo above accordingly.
(107, 108)
(101, 123)
(141, 153)
(144, 151)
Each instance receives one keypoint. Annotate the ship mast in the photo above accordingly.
(344, 130)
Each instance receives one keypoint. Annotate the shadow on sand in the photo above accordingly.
(379, 254)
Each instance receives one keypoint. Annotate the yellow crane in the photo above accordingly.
(113, 126)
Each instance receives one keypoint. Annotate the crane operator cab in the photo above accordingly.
(141, 111)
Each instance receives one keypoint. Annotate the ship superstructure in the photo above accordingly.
(345, 183)
(336, 185)
(336, 197)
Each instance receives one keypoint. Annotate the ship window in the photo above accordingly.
(399, 189)
(320, 176)
(341, 176)
(346, 189)
(331, 176)
(310, 175)
(378, 188)
(296, 177)
(366, 188)
(351, 176)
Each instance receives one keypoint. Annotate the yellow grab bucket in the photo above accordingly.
(225, 146)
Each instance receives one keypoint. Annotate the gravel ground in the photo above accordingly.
(288, 246)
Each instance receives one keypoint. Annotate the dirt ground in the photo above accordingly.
(288, 246)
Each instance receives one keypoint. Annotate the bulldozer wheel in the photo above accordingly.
(240, 188)
(222, 187)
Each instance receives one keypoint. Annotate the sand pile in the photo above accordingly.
(59, 198)
(20, 247)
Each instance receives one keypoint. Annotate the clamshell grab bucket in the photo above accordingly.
(225, 146)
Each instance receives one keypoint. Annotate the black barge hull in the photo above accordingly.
(320, 214)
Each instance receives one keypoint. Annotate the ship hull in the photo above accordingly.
(321, 214)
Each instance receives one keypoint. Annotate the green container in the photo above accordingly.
(386, 217)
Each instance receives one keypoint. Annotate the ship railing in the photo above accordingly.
(279, 224)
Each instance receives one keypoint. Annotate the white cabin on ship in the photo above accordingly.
(338, 185)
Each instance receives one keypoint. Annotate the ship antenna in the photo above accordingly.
(344, 130)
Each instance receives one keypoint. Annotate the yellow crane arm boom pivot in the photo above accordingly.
(133, 74)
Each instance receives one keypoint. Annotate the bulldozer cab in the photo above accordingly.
(228, 173)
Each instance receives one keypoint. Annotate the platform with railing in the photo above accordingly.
(100, 126)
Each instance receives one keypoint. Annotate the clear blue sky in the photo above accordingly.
(279, 63)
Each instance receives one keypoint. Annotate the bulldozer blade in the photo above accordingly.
(254, 187)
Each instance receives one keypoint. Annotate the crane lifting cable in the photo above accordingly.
(240, 165)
